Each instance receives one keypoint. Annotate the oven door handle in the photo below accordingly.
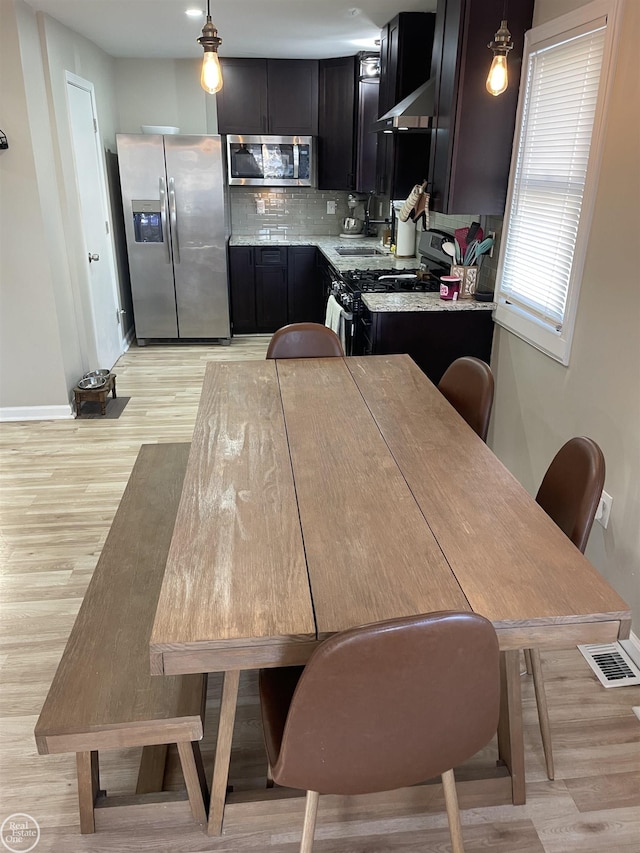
(398, 277)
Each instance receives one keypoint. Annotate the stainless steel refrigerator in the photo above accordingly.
(173, 196)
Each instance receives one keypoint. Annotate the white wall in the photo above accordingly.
(163, 92)
(44, 282)
(31, 357)
(42, 250)
(539, 403)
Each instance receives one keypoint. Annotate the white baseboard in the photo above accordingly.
(634, 639)
(632, 647)
(36, 413)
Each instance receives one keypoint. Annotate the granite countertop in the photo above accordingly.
(390, 302)
(327, 246)
(397, 302)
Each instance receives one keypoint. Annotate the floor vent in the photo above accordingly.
(611, 664)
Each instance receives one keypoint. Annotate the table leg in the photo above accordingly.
(113, 387)
(88, 788)
(510, 731)
(223, 751)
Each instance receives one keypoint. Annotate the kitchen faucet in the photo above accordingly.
(368, 222)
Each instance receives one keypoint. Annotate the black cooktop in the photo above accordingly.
(391, 281)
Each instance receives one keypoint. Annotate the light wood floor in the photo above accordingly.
(60, 486)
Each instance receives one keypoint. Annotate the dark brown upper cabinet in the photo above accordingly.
(346, 109)
(336, 123)
(473, 130)
(242, 101)
(405, 63)
(405, 56)
(274, 96)
(292, 94)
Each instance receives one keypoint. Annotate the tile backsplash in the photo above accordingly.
(488, 266)
(293, 212)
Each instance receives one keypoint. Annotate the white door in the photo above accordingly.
(98, 251)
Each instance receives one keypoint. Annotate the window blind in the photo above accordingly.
(559, 109)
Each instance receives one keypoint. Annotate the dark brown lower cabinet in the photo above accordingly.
(271, 287)
(305, 292)
(243, 290)
(433, 339)
(271, 298)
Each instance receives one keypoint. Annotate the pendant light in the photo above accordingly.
(498, 80)
(211, 78)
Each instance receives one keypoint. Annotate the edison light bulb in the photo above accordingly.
(497, 81)
(211, 79)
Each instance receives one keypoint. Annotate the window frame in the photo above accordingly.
(515, 319)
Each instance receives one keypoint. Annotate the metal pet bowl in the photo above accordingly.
(99, 373)
(92, 383)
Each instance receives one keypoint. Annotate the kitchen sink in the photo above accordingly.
(358, 251)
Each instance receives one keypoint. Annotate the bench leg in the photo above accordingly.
(152, 767)
(88, 788)
(223, 751)
(510, 731)
(193, 771)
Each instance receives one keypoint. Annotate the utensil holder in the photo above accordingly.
(468, 279)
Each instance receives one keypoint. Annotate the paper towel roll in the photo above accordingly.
(405, 239)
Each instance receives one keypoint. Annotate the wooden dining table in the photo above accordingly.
(322, 494)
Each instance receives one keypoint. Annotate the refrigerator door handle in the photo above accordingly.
(174, 221)
(163, 216)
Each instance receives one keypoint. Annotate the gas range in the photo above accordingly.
(348, 286)
(351, 284)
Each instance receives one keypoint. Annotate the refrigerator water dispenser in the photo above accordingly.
(147, 221)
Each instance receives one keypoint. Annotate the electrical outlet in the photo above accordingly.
(604, 509)
(331, 207)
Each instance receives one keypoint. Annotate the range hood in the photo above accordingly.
(415, 112)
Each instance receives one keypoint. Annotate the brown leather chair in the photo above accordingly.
(304, 340)
(382, 707)
(569, 493)
(468, 386)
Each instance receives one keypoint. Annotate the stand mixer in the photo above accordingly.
(353, 225)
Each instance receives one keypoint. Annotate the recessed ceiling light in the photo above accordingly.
(194, 13)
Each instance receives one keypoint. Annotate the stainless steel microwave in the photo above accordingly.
(271, 161)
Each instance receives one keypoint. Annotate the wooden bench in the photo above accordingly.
(103, 695)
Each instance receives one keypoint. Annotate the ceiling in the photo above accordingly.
(294, 29)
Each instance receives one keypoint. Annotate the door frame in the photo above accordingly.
(87, 339)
